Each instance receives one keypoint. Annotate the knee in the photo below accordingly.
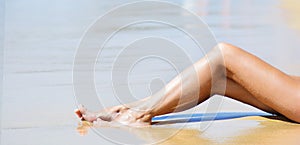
(224, 53)
(227, 49)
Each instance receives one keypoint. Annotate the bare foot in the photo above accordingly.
(116, 115)
(84, 114)
(105, 115)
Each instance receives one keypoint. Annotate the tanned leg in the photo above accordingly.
(249, 80)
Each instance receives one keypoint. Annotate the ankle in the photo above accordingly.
(144, 116)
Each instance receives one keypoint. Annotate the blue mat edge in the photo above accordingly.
(197, 117)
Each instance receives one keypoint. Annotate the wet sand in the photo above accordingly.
(40, 46)
(248, 130)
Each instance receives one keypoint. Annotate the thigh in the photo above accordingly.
(267, 84)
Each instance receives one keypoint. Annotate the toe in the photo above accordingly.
(78, 113)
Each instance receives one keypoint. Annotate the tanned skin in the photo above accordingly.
(248, 79)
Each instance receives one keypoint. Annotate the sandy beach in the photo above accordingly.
(41, 39)
(249, 130)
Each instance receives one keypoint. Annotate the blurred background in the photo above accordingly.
(41, 38)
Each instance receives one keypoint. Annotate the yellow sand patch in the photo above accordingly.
(292, 7)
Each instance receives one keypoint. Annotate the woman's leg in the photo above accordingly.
(249, 80)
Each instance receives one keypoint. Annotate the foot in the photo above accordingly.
(116, 115)
(86, 115)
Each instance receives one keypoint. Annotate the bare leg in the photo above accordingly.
(249, 80)
(266, 83)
